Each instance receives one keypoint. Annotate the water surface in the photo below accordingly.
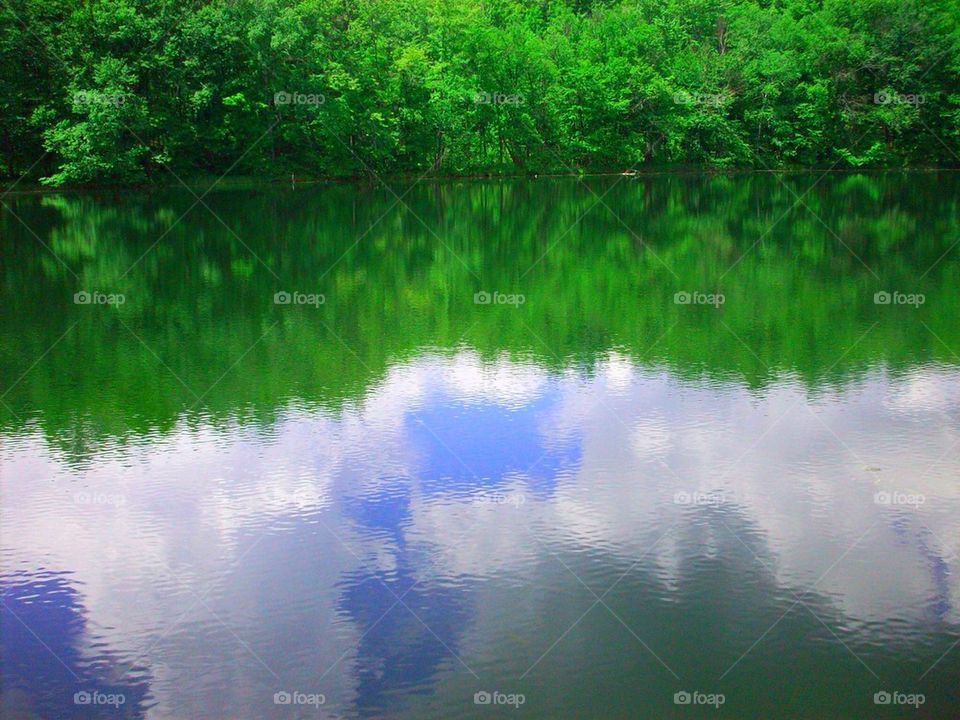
(703, 439)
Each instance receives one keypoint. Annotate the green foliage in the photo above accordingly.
(456, 86)
(799, 292)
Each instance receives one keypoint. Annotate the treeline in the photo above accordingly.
(122, 91)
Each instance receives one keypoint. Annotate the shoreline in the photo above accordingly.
(10, 187)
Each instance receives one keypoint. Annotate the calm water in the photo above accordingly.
(682, 449)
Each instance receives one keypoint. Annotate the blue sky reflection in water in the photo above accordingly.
(356, 557)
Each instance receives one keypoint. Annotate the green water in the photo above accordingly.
(687, 447)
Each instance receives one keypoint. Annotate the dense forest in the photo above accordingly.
(130, 91)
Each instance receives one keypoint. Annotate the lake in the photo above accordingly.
(674, 446)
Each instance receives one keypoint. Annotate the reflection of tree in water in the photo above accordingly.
(716, 548)
(201, 301)
(42, 672)
(397, 652)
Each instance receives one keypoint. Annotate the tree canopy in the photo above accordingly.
(127, 91)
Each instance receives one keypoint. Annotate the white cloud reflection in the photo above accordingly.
(234, 508)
